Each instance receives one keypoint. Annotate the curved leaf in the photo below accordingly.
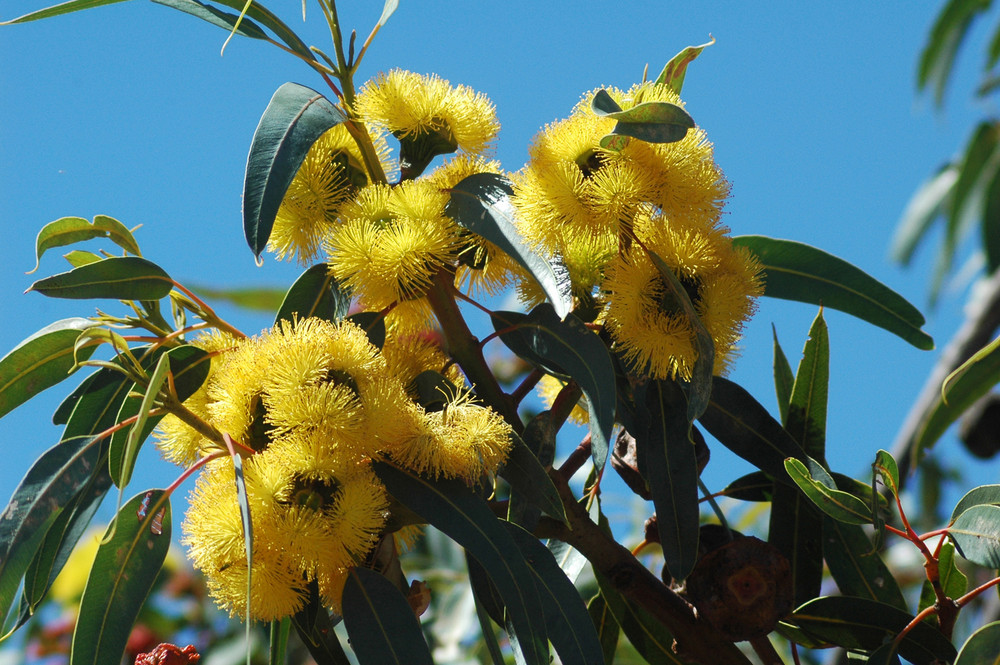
(607, 627)
(669, 464)
(927, 204)
(796, 271)
(294, 119)
(380, 623)
(982, 647)
(50, 484)
(839, 505)
(121, 278)
(648, 635)
(529, 480)
(976, 533)
(315, 293)
(569, 625)
(266, 18)
(568, 348)
(41, 361)
(70, 230)
(126, 565)
(864, 625)
(451, 506)
(674, 72)
(653, 122)
(253, 298)
(784, 380)
(57, 10)
(741, 424)
(807, 407)
(228, 22)
(481, 204)
(795, 528)
(942, 45)
(983, 495)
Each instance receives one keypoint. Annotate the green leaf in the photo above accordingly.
(839, 505)
(926, 205)
(976, 533)
(489, 637)
(78, 258)
(266, 18)
(57, 10)
(529, 480)
(127, 563)
(885, 466)
(451, 506)
(50, 484)
(294, 119)
(856, 565)
(668, 463)
(315, 293)
(946, 36)
(864, 625)
(741, 424)
(566, 619)
(568, 348)
(796, 530)
(98, 400)
(699, 389)
(807, 409)
(647, 634)
(674, 72)
(225, 20)
(255, 299)
(315, 628)
(481, 204)
(984, 495)
(41, 361)
(755, 486)
(795, 271)
(121, 278)
(982, 647)
(387, 10)
(783, 378)
(373, 323)
(953, 581)
(380, 623)
(70, 230)
(607, 627)
(653, 122)
(989, 225)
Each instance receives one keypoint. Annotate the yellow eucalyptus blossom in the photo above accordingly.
(330, 175)
(428, 115)
(548, 389)
(409, 355)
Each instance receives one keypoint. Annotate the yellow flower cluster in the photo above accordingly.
(599, 212)
(387, 242)
(311, 404)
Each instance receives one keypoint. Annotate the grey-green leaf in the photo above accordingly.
(315, 293)
(796, 271)
(976, 533)
(380, 623)
(121, 278)
(70, 230)
(982, 647)
(294, 119)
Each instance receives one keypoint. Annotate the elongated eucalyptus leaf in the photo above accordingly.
(569, 627)
(982, 647)
(607, 626)
(481, 204)
(451, 506)
(807, 409)
(885, 466)
(989, 225)
(315, 628)
(648, 635)
(229, 22)
(388, 10)
(380, 623)
(255, 299)
(926, 205)
(856, 565)
(984, 495)
(568, 348)
(653, 122)
(976, 533)
(489, 637)
(78, 257)
(122, 456)
(864, 625)
(946, 36)
(835, 503)
(796, 271)
(293, 120)
(796, 529)
(674, 72)
(741, 424)
(57, 10)
(96, 408)
(121, 278)
(126, 565)
(783, 378)
(700, 386)
(530, 482)
(269, 20)
(41, 361)
(669, 465)
(50, 484)
(315, 293)
(70, 230)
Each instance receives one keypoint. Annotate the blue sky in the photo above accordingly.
(130, 111)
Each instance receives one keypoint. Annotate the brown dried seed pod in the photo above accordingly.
(742, 588)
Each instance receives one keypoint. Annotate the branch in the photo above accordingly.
(981, 322)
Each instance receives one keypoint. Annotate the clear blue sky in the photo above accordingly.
(129, 111)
